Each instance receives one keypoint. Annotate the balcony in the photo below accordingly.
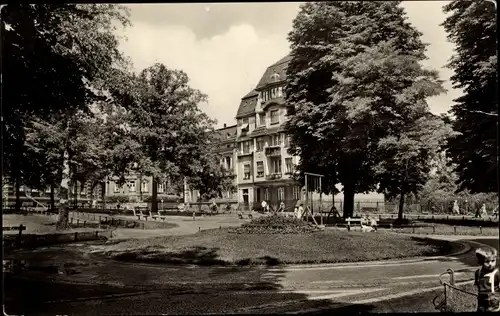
(244, 153)
(273, 151)
(273, 176)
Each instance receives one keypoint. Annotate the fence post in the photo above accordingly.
(413, 228)
(455, 229)
(84, 222)
(99, 219)
(377, 207)
(480, 230)
(433, 228)
(76, 236)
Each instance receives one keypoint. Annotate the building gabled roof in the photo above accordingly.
(226, 133)
(247, 104)
(275, 73)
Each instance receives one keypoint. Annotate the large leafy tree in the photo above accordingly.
(345, 101)
(167, 123)
(56, 59)
(406, 158)
(472, 27)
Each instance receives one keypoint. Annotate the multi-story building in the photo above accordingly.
(226, 147)
(265, 168)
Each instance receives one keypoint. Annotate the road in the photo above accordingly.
(71, 280)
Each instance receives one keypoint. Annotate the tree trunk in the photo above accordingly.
(348, 201)
(401, 204)
(154, 196)
(18, 192)
(52, 198)
(75, 193)
(64, 190)
(103, 195)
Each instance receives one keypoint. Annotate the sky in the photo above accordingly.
(225, 47)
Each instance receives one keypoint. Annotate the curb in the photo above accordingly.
(466, 247)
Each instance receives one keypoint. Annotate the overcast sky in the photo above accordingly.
(226, 47)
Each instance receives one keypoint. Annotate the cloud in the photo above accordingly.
(226, 49)
(225, 67)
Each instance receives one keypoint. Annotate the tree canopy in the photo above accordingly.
(472, 27)
(354, 79)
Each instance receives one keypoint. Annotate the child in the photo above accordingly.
(487, 281)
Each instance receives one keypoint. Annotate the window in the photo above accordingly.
(273, 93)
(280, 92)
(251, 122)
(275, 117)
(117, 188)
(82, 190)
(144, 186)
(266, 194)
(260, 143)
(289, 165)
(287, 141)
(246, 147)
(228, 163)
(131, 186)
(262, 118)
(276, 140)
(260, 169)
(265, 95)
(161, 187)
(276, 165)
(296, 192)
(281, 194)
(244, 124)
(246, 172)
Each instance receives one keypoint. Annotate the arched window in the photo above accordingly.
(275, 77)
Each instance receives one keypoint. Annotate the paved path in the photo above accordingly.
(87, 285)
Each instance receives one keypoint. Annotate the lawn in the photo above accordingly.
(36, 224)
(218, 246)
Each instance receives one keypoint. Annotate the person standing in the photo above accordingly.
(487, 281)
(456, 209)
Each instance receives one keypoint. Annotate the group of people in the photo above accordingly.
(480, 212)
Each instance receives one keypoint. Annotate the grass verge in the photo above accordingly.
(442, 229)
(219, 247)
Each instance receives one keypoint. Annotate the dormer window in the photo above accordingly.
(244, 124)
(276, 92)
(275, 77)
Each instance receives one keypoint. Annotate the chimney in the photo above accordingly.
(224, 125)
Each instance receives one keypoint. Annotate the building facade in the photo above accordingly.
(264, 167)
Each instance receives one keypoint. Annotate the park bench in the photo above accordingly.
(160, 216)
(141, 211)
(154, 215)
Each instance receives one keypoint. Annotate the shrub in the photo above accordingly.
(165, 198)
(275, 224)
(117, 199)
